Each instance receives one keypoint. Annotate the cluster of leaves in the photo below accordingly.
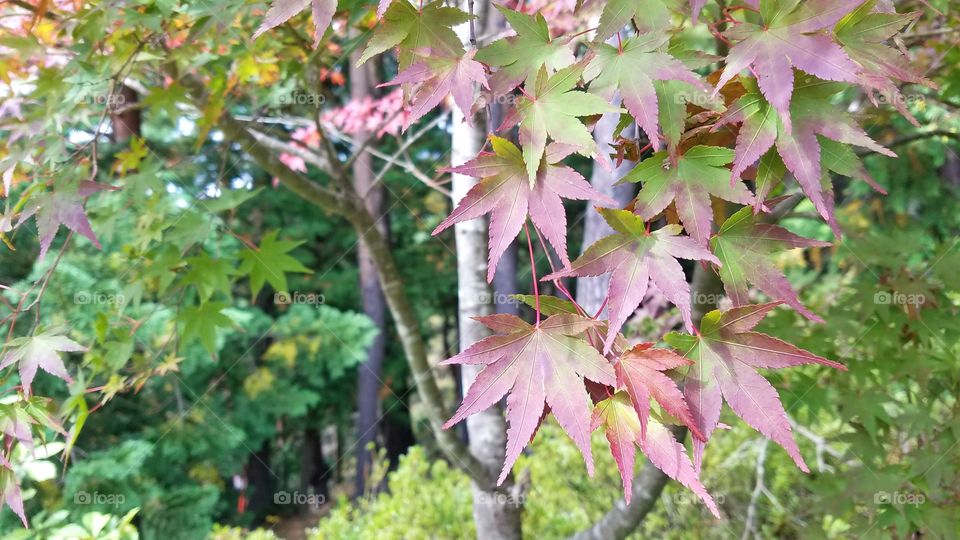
(774, 121)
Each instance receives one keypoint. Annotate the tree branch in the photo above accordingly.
(345, 202)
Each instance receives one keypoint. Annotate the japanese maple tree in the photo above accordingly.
(711, 171)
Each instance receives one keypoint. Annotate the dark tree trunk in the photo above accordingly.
(261, 478)
(126, 120)
(374, 305)
(314, 470)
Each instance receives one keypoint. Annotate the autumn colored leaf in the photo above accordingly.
(746, 248)
(62, 207)
(863, 35)
(726, 354)
(412, 29)
(640, 373)
(790, 36)
(761, 127)
(552, 109)
(521, 57)
(508, 197)
(697, 174)
(632, 69)
(623, 430)
(634, 257)
(39, 351)
(10, 491)
(439, 76)
(538, 366)
(282, 11)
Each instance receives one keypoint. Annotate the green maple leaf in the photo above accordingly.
(270, 263)
(552, 110)
(430, 27)
(209, 275)
(520, 57)
(201, 323)
(698, 174)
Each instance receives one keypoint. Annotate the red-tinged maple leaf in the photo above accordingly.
(413, 28)
(640, 372)
(622, 428)
(863, 34)
(633, 257)
(62, 207)
(800, 149)
(521, 57)
(10, 490)
(508, 197)
(40, 351)
(539, 366)
(726, 354)
(440, 75)
(282, 11)
(746, 248)
(790, 36)
(689, 182)
(632, 69)
(552, 109)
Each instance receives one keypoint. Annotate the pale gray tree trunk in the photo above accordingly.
(374, 303)
(592, 290)
(496, 513)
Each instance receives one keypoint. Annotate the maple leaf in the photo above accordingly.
(201, 323)
(632, 69)
(647, 15)
(522, 56)
(430, 27)
(539, 366)
(441, 76)
(10, 491)
(697, 174)
(633, 258)
(863, 34)
(62, 207)
(726, 355)
(800, 149)
(552, 110)
(282, 11)
(508, 197)
(622, 428)
(640, 372)
(270, 263)
(790, 37)
(746, 248)
(40, 351)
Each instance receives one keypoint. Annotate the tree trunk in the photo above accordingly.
(592, 290)
(127, 119)
(374, 304)
(495, 513)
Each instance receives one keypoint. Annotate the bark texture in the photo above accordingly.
(591, 290)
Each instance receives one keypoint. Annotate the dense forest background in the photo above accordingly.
(244, 375)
